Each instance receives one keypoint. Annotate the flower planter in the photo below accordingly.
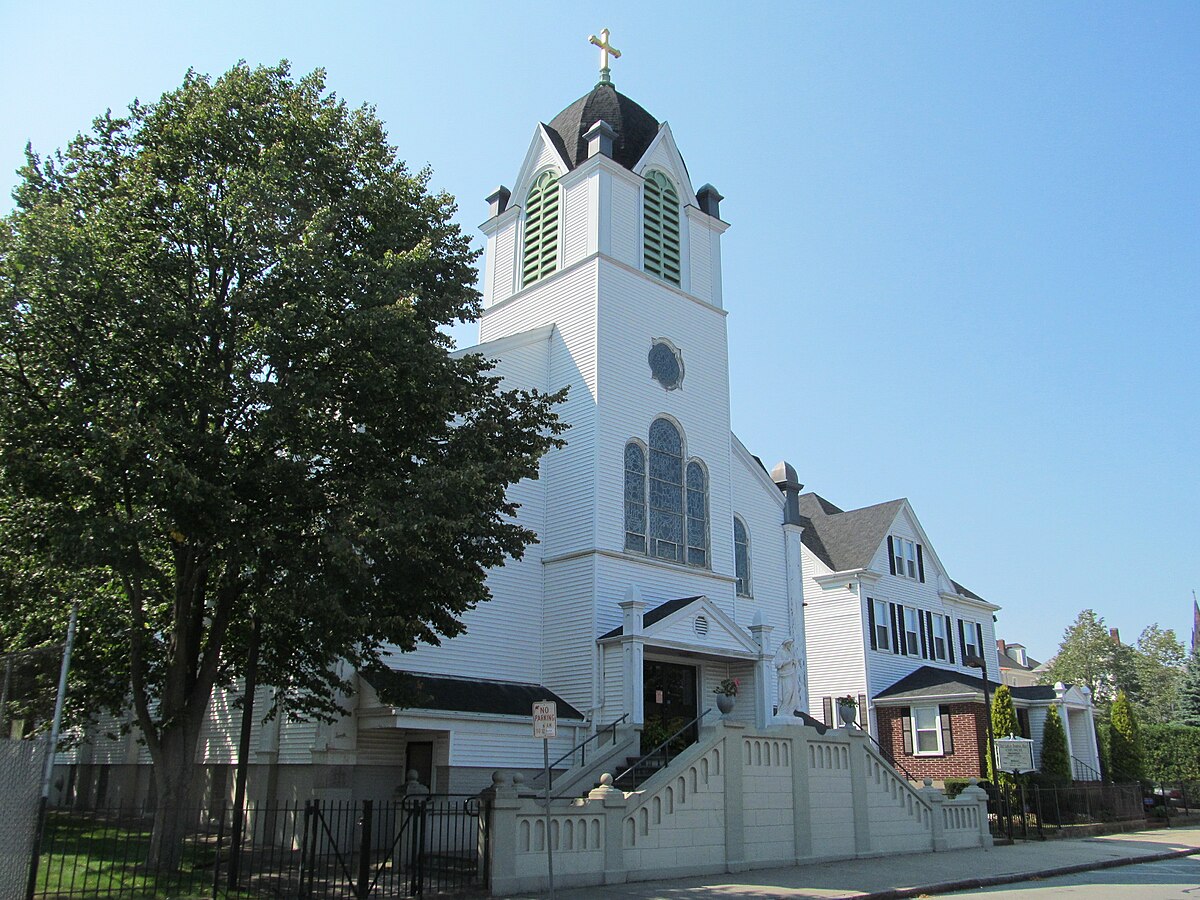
(847, 714)
(725, 704)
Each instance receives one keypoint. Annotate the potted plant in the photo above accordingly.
(847, 708)
(726, 691)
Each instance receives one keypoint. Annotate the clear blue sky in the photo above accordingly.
(964, 261)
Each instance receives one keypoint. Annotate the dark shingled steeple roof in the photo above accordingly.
(635, 127)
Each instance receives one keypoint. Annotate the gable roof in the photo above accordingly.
(657, 614)
(842, 539)
(442, 692)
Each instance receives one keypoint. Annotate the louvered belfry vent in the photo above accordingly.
(541, 229)
(660, 228)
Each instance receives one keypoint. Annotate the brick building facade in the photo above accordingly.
(959, 757)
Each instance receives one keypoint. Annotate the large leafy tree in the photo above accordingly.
(1088, 656)
(224, 393)
(1158, 660)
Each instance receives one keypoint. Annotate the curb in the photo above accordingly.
(967, 884)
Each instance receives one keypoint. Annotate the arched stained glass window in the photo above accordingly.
(666, 491)
(741, 556)
(697, 515)
(541, 229)
(660, 228)
(635, 497)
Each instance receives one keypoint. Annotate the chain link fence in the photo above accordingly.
(21, 766)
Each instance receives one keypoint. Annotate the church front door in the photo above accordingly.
(669, 699)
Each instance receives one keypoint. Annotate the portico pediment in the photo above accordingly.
(691, 624)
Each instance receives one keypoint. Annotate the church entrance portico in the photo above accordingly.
(667, 664)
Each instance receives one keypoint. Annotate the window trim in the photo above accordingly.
(654, 514)
(905, 564)
(743, 587)
(912, 637)
(883, 633)
(970, 638)
(939, 621)
(641, 448)
(917, 730)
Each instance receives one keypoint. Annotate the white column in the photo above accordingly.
(1060, 690)
(633, 655)
(761, 633)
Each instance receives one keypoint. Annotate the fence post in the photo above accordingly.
(364, 852)
(1037, 794)
(307, 863)
(216, 882)
(937, 821)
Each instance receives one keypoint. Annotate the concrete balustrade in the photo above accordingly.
(739, 798)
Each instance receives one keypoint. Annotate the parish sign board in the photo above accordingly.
(1014, 754)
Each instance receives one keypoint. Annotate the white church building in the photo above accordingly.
(667, 561)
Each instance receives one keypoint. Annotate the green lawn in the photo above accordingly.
(86, 857)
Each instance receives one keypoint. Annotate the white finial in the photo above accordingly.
(605, 49)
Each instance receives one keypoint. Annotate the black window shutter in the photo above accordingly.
(950, 637)
(906, 726)
(827, 709)
(947, 731)
(921, 628)
(871, 622)
(962, 644)
(863, 722)
(895, 630)
(979, 634)
(891, 556)
(903, 629)
(920, 564)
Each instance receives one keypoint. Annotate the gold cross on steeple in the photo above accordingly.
(605, 49)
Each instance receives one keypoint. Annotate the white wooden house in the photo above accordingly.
(888, 626)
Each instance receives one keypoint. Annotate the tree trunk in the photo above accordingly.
(175, 812)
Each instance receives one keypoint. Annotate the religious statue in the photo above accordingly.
(787, 667)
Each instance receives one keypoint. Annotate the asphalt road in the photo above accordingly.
(1165, 880)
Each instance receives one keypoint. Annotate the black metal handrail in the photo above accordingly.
(1087, 770)
(646, 756)
(611, 726)
(886, 754)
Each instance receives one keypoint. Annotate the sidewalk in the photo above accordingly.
(914, 875)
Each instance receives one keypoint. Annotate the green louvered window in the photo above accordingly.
(541, 229)
(660, 228)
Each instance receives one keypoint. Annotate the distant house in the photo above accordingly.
(1017, 668)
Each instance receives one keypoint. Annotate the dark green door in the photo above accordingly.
(669, 701)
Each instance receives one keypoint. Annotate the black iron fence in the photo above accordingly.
(316, 849)
(1167, 800)
(1025, 812)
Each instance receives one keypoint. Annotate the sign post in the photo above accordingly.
(545, 726)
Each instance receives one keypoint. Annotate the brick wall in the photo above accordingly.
(968, 727)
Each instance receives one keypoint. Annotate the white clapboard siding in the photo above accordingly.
(567, 650)
(633, 310)
(761, 508)
(577, 215)
(625, 221)
(501, 266)
(700, 246)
